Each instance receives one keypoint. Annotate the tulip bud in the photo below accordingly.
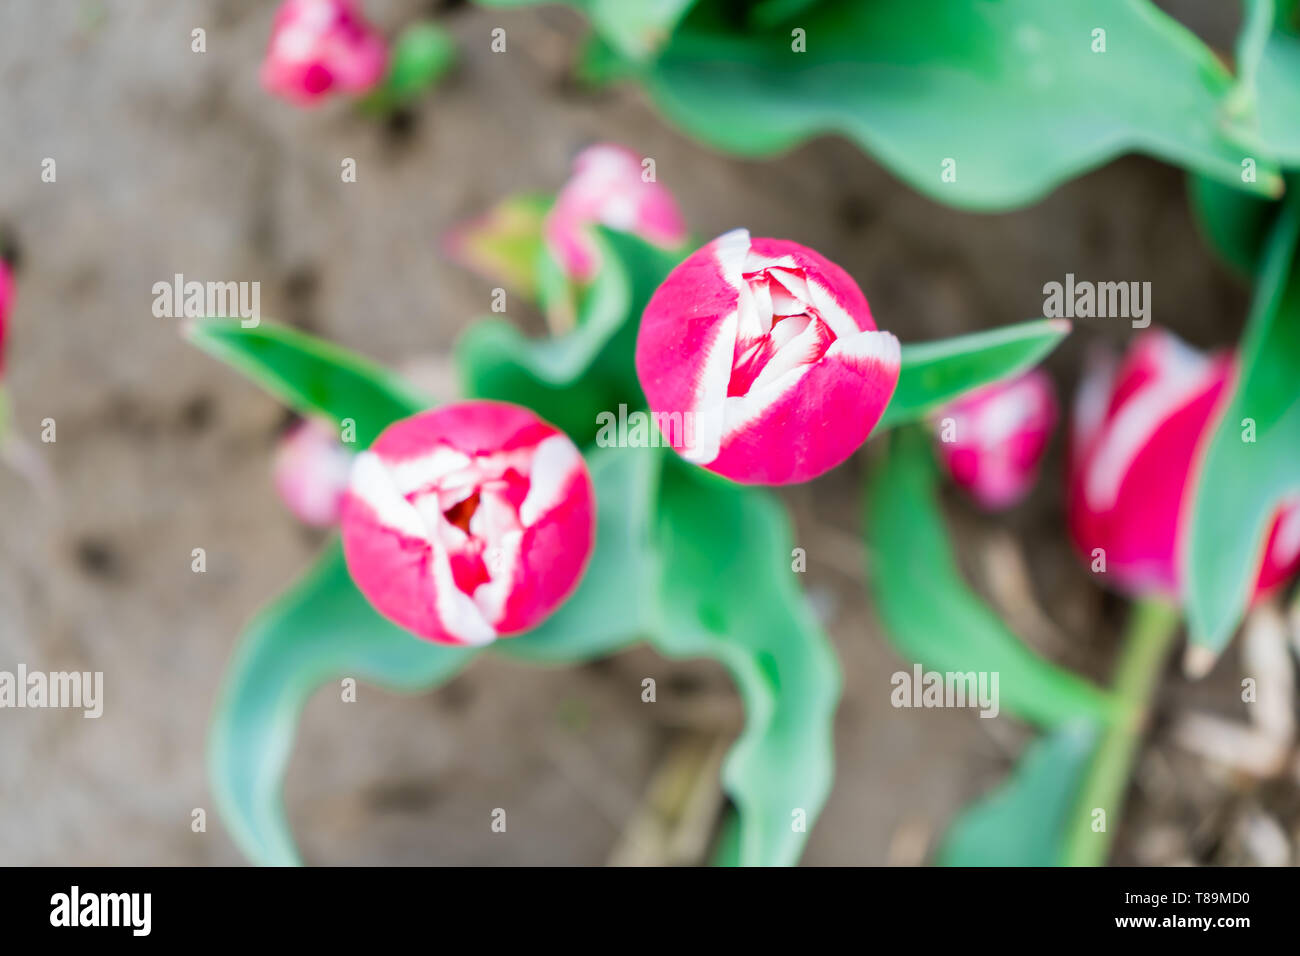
(311, 472)
(608, 188)
(468, 522)
(1138, 431)
(322, 46)
(6, 299)
(992, 440)
(766, 354)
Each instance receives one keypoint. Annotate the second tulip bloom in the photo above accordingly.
(771, 350)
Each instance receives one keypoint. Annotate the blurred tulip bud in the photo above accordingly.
(1138, 431)
(609, 188)
(311, 472)
(469, 522)
(992, 440)
(769, 353)
(320, 47)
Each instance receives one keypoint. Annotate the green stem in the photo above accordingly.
(1151, 631)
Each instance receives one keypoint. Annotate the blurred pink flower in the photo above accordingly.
(469, 522)
(311, 472)
(768, 353)
(1138, 432)
(322, 46)
(607, 189)
(998, 436)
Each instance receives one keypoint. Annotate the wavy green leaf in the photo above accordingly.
(932, 617)
(320, 631)
(1025, 821)
(729, 594)
(934, 373)
(310, 375)
(1242, 482)
(1011, 92)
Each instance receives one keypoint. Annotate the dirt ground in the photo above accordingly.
(174, 162)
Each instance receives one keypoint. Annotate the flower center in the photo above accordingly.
(460, 513)
(780, 329)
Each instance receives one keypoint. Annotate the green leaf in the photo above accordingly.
(656, 574)
(1010, 91)
(1270, 55)
(728, 593)
(1242, 483)
(933, 618)
(1024, 822)
(636, 28)
(934, 373)
(322, 630)
(423, 53)
(615, 604)
(1235, 224)
(570, 379)
(312, 376)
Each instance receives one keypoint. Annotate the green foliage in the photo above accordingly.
(1012, 97)
(934, 373)
(1024, 822)
(931, 615)
(321, 630)
(310, 375)
(635, 28)
(421, 55)
(728, 593)
(1241, 483)
(1235, 224)
(569, 379)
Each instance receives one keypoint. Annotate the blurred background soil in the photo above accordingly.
(174, 162)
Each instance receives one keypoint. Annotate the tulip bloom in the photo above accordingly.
(468, 522)
(1138, 432)
(992, 440)
(311, 472)
(771, 351)
(607, 189)
(6, 299)
(320, 46)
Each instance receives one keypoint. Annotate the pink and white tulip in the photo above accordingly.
(6, 301)
(607, 189)
(992, 440)
(469, 522)
(320, 47)
(768, 351)
(311, 472)
(1139, 431)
